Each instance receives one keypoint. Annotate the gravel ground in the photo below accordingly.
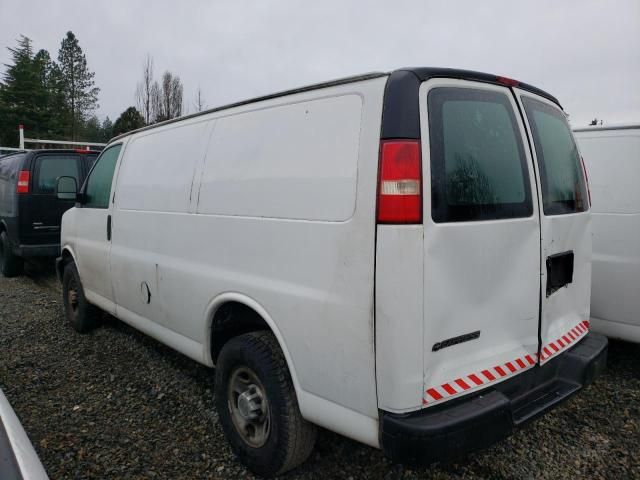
(117, 404)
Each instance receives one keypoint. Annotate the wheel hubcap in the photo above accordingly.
(249, 407)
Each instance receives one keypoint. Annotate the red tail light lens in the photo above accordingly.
(586, 179)
(400, 182)
(23, 182)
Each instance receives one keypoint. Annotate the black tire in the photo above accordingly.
(10, 264)
(82, 316)
(290, 438)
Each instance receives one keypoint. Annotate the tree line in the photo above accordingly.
(52, 99)
(57, 100)
(156, 100)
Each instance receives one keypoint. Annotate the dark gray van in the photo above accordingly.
(30, 212)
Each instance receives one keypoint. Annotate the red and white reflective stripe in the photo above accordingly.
(481, 378)
(553, 348)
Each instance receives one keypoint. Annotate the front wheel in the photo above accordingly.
(10, 264)
(258, 408)
(79, 312)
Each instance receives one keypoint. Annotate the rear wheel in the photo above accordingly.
(258, 408)
(82, 316)
(10, 264)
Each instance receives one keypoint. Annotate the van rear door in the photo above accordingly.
(565, 227)
(481, 239)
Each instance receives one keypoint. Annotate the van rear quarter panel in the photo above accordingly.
(282, 211)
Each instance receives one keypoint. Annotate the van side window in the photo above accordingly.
(561, 176)
(478, 165)
(50, 167)
(98, 185)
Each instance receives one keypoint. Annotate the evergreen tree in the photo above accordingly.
(52, 99)
(107, 130)
(92, 130)
(22, 94)
(128, 120)
(76, 83)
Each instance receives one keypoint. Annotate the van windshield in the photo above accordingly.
(561, 174)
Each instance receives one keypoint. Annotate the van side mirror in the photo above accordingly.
(66, 188)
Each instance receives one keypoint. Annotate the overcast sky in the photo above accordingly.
(587, 53)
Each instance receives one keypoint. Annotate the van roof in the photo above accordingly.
(421, 73)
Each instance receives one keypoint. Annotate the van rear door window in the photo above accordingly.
(561, 174)
(478, 165)
(51, 167)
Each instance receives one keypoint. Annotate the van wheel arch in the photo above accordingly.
(232, 314)
(231, 319)
(67, 257)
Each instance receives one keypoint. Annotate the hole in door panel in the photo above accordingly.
(559, 271)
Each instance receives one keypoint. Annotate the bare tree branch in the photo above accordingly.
(199, 102)
(167, 97)
(143, 90)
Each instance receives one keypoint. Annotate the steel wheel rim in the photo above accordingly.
(72, 297)
(249, 407)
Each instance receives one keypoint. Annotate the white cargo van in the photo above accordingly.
(403, 258)
(612, 158)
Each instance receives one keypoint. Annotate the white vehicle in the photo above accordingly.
(393, 257)
(18, 459)
(612, 158)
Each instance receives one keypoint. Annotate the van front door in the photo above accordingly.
(481, 239)
(93, 230)
(566, 227)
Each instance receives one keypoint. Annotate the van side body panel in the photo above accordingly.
(399, 317)
(310, 268)
(612, 159)
(10, 165)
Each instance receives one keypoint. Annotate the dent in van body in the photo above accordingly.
(479, 274)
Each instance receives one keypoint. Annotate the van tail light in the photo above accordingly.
(23, 182)
(586, 179)
(509, 82)
(400, 182)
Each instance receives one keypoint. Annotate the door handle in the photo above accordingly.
(109, 227)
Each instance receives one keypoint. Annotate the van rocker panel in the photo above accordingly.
(49, 250)
(477, 421)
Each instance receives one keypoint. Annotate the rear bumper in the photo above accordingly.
(49, 250)
(455, 428)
